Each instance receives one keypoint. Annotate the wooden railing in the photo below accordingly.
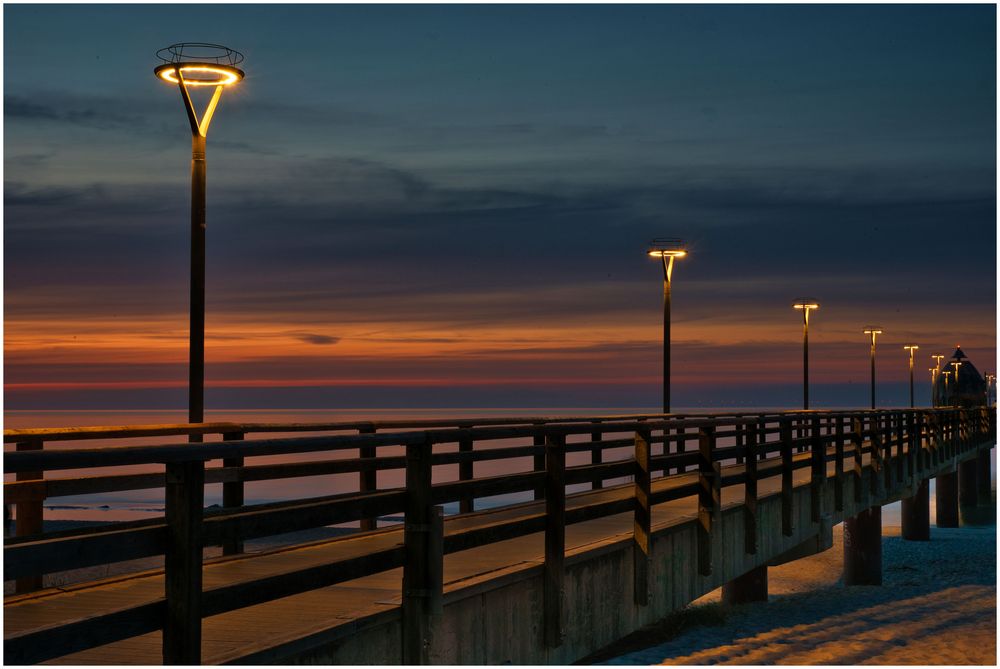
(693, 449)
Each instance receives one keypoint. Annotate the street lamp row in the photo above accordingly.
(669, 249)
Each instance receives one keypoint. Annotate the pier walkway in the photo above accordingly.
(543, 581)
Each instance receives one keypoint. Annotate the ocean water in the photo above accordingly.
(138, 504)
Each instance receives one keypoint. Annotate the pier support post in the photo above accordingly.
(916, 514)
(984, 492)
(946, 497)
(232, 497)
(642, 518)
(28, 520)
(182, 573)
(553, 577)
(367, 478)
(863, 548)
(750, 587)
(709, 497)
(967, 484)
(423, 543)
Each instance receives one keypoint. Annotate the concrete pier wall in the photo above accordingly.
(497, 618)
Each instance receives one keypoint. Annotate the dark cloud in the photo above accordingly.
(17, 194)
(101, 116)
(318, 339)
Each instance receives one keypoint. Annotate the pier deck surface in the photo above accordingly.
(238, 634)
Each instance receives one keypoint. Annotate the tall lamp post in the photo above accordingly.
(873, 330)
(989, 381)
(911, 348)
(806, 305)
(667, 250)
(947, 375)
(196, 65)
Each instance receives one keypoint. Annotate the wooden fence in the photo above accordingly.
(899, 444)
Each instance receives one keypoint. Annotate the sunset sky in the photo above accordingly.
(449, 206)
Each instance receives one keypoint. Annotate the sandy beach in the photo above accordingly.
(937, 606)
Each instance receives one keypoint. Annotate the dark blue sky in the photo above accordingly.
(433, 199)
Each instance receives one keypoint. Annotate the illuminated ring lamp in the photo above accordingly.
(198, 65)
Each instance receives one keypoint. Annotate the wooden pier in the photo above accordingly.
(627, 518)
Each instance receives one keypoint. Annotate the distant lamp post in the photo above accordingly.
(911, 348)
(195, 65)
(873, 330)
(806, 304)
(946, 374)
(957, 365)
(989, 381)
(667, 250)
(937, 370)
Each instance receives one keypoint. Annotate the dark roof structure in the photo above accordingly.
(970, 389)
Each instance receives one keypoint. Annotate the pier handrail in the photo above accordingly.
(224, 427)
(886, 435)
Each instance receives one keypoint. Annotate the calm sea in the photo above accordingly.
(133, 505)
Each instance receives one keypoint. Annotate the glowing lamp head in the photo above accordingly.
(199, 74)
(911, 348)
(873, 330)
(666, 247)
(806, 303)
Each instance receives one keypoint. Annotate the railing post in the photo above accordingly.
(555, 538)
(857, 442)
(642, 518)
(681, 448)
(419, 589)
(539, 461)
(787, 517)
(466, 472)
(29, 518)
(838, 464)
(897, 419)
(741, 441)
(881, 467)
(709, 496)
(232, 497)
(750, 492)
(817, 479)
(885, 437)
(762, 436)
(185, 500)
(597, 455)
(367, 478)
(934, 439)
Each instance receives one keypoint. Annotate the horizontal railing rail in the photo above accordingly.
(898, 443)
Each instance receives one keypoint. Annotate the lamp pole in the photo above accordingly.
(667, 250)
(193, 65)
(946, 374)
(805, 305)
(989, 382)
(873, 331)
(911, 348)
